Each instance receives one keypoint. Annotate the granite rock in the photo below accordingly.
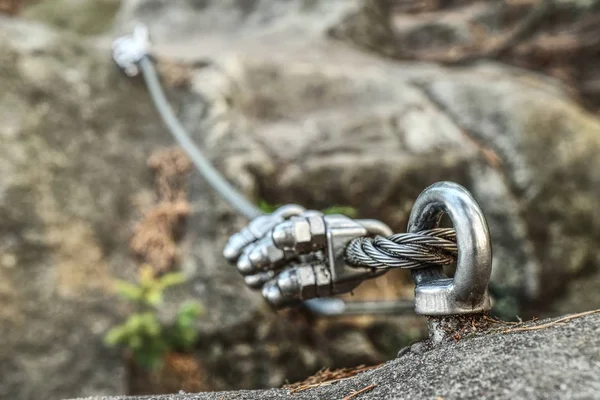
(556, 362)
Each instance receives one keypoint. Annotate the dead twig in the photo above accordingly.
(354, 394)
(327, 377)
(315, 385)
(549, 324)
(499, 321)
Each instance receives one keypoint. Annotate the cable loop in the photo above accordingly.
(404, 250)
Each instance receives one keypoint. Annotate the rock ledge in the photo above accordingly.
(557, 361)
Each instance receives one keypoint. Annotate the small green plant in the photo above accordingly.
(348, 211)
(344, 210)
(143, 333)
(267, 207)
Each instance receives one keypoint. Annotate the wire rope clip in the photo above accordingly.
(295, 255)
(467, 292)
(129, 50)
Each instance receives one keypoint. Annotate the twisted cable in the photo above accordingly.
(404, 250)
(227, 191)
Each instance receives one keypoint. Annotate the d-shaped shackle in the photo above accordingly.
(467, 292)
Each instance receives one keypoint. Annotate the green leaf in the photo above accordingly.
(191, 308)
(135, 343)
(150, 359)
(135, 322)
(146, 277)
(172, 279)
(267, 207)
(115, 336)
(143, 333)
(187, 315)
(151, 324)
(128, 290)
(183, 334)
(348, 211)
(153, 297)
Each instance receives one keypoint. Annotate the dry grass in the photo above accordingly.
(363, 390)
(327, 377)
(174, 75)
(11, 7)
(155, 238)
(170, 168)
(183, 372)
(178, 372)
(551, 323)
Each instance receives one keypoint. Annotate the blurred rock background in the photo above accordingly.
(361, 103)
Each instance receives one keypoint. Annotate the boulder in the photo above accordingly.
(555, 362)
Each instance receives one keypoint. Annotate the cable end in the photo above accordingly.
(129, 50)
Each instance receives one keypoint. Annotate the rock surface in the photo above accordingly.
(556, 362)
(288, 114)
(71, 162)
(85, 17)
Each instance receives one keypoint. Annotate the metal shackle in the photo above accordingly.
(467, 292)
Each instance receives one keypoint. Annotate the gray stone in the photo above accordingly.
(556, 362)
(226, 23)
(549, 173)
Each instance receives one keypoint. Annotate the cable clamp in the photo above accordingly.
(129, 50)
